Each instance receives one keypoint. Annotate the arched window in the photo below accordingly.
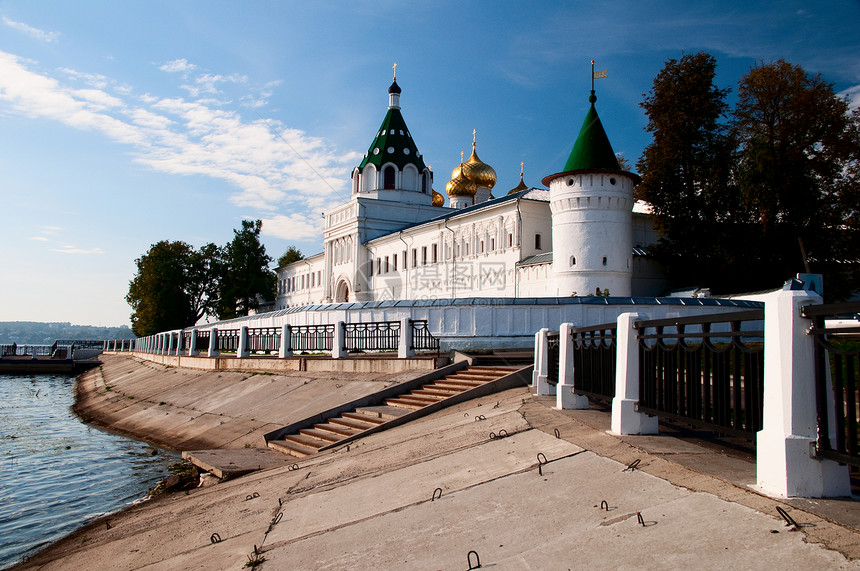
(388, 178)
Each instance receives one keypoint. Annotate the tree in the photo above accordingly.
(292, 254)
(687, 170)
(244, 272)
(173, 287)
(798, 170)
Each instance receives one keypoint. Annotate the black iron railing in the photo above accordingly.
(837, 352)
(203, 337)
(553, 356)
(594, 354)
(8, 350)
(264, 340)
(311, 338)
(422, 339)
(227, 340)
(375, 336)
(706, 370)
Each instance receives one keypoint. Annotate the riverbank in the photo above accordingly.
(553, 492)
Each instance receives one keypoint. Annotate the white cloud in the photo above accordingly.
(293, 227)
(72, 250)
(36, 33)
(178, 65)
(269, 164)
(38, 238)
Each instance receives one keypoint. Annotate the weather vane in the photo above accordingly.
(600, 74)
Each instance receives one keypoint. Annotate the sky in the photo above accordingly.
(126, 123)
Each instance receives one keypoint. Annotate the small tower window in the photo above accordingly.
(573, 260)
(604, 260)
(388, 178)
(537, 242)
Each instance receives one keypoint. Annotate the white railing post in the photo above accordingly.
(565, 398)
(178, 347)
(404, 345)
(192, 345)
(169, 343)
(785, 446)
(625, 418)
(540, 384)
(242, 350)
(337, 343)
(285, 350)
(213, 342)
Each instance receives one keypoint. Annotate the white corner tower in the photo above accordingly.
(591, 202)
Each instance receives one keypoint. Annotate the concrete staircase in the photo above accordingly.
(392, 410)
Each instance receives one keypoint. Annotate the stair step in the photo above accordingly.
(421, 396)
(307, 441)
(431, 391)
(291, 448)
(362, 417)
(382, 411)
(338, 429)
(475, 378)
(361, 425)
(323, 435)
(457, 385)
(404, 403)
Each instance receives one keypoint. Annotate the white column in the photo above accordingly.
(785, 462)
(625, 418)
(565, 398)
(286, 349)
(337, 351)
(541, 386)
(169, 343)
(213, 342)
(192, 347)
(404, 346)
(242, 350)
(178, 348)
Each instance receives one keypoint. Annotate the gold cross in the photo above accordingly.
(521, 168)
(395, 71)
(473, 135)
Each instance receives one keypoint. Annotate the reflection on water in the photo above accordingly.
(57, 473)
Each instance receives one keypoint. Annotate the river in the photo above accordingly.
(57, 473)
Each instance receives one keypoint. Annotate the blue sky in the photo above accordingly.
(126, 123)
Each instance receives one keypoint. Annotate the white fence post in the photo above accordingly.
(193, 351)
(242, 350)
(541, 370)
(565, 398)
(285, 350)
(337, 350)
(404, 345)
(785, 446)
(213, 342)
(625, 418)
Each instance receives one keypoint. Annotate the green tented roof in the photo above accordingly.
(592, 150)
(393, 144)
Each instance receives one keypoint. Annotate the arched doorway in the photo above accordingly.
(342, 292)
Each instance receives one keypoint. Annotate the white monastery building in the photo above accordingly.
(395, 238)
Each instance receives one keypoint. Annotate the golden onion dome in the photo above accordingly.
(460, 186)
(479, 172)
(438, 199)
(521, 186)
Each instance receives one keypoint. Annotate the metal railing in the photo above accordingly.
(705, 370)
(422, 339)
(837, 359)
(227, 340)
(264, 340)
(553, 356)
(374, 336)
(594, 354)
(311, 338)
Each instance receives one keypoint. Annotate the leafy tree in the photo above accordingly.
(799, 149)
(292, 254)
(172, 287)
(687, 174)
(244, 273)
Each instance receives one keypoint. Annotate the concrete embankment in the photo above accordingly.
(522, 485)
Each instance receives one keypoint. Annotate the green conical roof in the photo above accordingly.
(592, 150)
(393, 142)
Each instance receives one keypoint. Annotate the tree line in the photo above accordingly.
(745, 198)
(176, 285)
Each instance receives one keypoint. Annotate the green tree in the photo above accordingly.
(687, 171)
(245, 277)
(798, 171)
(172, 287)
(292, 254)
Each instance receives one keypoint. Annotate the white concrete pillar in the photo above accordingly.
(785, 446)
(242, 350)
(337, 350)
(565, 398)
(286, 348)
(213, 342)
(404, 345)
(169, 343)
(625, 418)
(192, 346)
(541, 373)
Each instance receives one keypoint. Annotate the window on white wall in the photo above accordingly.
(538, 242)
